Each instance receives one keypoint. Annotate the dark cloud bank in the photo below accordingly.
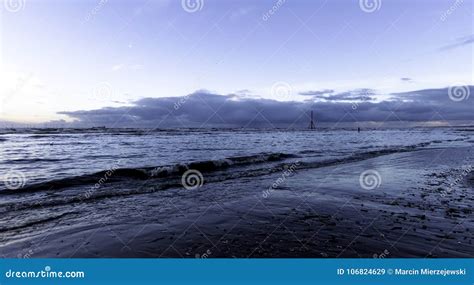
(204, 109)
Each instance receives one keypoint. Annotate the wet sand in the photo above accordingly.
(422, 208)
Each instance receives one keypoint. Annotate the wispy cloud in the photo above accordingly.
(467, 40)
(316, 93)
(238, 13)
(363, 94)
(123, 66)
(117, 67)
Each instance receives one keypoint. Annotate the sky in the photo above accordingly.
(235, 63)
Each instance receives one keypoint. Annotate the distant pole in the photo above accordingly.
(311, 124)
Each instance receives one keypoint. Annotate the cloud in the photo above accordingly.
(459, 43)
(240, 12)
(122, 66)
(406, 79)
(355, 95)
(317, 93)
(363, 94)
(203, 109)
(117, 67)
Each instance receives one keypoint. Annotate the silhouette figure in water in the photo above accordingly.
(358, 129)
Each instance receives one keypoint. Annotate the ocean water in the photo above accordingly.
(271, 193)
(39, 155)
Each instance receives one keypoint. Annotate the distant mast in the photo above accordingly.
(311, 123)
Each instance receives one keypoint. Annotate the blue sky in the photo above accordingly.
(65, 56)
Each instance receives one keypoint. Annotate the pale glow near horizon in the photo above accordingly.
(57, 56)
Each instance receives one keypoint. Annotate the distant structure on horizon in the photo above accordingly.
(311, 123)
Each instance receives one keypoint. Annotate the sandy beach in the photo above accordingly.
(420, 207)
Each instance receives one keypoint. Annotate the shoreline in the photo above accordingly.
(314, 213)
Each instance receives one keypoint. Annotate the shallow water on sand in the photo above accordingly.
(278, 194)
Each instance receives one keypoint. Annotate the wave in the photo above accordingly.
(34, 160)
(50, 136)
(34, 222)
(172, 171)
(213, 169)
(152, 182)
(119, 174)
(310, 151)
